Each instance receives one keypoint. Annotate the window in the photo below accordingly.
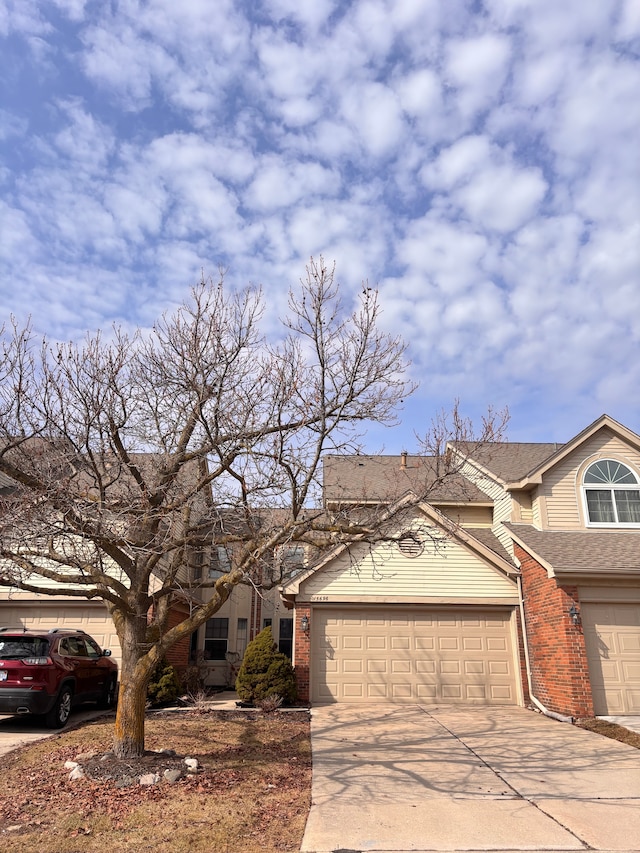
(266, 623)
(285, 642)
(612, 494)
(215, 639)
(290, 560)
(241, 636)
(220, 561)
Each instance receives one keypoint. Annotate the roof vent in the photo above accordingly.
(403, 459)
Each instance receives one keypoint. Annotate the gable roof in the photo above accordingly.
(603, 552)
(521, 465)
(479, 540)
(384, 479)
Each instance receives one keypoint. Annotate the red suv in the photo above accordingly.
(47, 672)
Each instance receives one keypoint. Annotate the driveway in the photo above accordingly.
(17, 731)
(424, 778)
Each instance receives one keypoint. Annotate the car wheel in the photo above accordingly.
(109, 695)
(59, 714)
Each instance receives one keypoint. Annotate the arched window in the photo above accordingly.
(612, 493)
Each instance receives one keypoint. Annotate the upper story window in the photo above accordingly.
(612, 493)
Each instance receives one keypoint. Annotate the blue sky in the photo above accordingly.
(478, 162)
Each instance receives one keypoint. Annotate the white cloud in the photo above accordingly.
(279, 184)
(486, 184)
(374, 113)
(480, 163)
(477, 67)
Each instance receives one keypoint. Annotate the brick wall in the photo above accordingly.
(557, 652)
(178, 654)
(302, 651)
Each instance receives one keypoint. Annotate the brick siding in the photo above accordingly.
(557, 652)
(178, 654)
(302, 652)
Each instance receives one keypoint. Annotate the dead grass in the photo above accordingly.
(252, 795)
(611, 730)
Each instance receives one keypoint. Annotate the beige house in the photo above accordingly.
(516, 580)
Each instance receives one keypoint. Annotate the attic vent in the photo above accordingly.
(410, 545)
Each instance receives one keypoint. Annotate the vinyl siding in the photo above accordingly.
(502, 502)
(558, 500)
(445, 569)
(469, 516)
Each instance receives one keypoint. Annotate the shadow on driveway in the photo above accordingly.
(458, 778)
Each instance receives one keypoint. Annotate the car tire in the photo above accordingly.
(59, 714)
(108, 699)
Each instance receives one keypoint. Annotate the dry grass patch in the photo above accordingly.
(611, 730)
(252, 794)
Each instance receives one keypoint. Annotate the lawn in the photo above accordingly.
(252, 793)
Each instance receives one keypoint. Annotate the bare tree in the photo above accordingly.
(133, 454)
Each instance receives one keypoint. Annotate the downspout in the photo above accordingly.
(527, 662)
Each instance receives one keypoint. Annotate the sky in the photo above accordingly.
(477, 162)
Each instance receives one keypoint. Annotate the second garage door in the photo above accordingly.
(612, 637)
(413, 655)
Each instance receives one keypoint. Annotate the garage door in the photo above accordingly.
(417, 655)
(92, 618)
(612, 637)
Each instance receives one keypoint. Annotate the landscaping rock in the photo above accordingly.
(76, 774)
(70, 765)
(191, 765)
(84, 756)
(149, 779)
(172, 776)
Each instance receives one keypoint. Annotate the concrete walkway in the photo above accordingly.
(422, 778)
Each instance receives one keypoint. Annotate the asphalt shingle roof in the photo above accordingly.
(384, 479)
(606, 551)
(509, 460)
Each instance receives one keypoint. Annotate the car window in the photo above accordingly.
(93, 649)
(73, 646)
(14, 648)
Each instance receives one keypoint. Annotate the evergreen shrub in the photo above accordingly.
(164, 686)
(265, 672)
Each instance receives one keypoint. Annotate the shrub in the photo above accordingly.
(271, 704)
(265, 672)
(164, 686)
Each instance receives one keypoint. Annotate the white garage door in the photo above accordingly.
(89, 617)
(416, 655)
(612, 637)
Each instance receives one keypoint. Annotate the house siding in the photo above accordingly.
(302, 653)
(445, 569)
(557, 651)
(502, 502)
(470, 516)
(558, 500)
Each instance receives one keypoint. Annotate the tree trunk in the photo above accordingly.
(128, 739)
(137, 667)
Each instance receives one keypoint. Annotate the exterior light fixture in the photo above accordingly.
(304, 624)
(574, 614)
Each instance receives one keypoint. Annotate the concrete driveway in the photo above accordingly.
(17, 731)
(424, 778)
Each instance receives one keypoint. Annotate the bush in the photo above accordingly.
(164, 686)
(265, 672)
